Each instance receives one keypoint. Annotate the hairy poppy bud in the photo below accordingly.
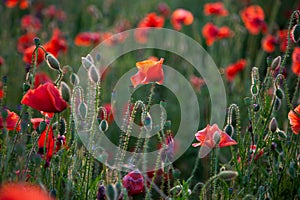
(273, 125)
(276, 62)
(228, 175)
(74, 79)
(82, 109)
(94, 74)
(295, 33)
(52, 62)
(279, 93)
(65, 91)
(103, 126)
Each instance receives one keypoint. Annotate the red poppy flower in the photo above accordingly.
(56, 44)
(253, 18)
(196, 82)
(253, 149)
(1, 61)
(22, 191)
(36, 122)
(46, 142)
(31, 23)
(109, 113)
(1, 93)
(233, 69)
(212, 33)
(295, 119)
(25, 41)
(13, 3)
(181, 16)
(45, 98)
(296, 61)
(151, 20)
(163, 9)
(207, 137)
(11, 121)
(268, 43)
(216, 8)
(149, 71)
(86, 39)
(53, 12)
(134, 183)
(283, 39)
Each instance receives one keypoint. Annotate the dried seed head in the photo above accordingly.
(52, 62)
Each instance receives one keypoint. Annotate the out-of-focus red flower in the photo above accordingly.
(56, 44)
(61, 142)
(36, 122)
(216, 8)
(52, 12)
(11, 121)
(25, 41)
(233, 69)
(268, 43)
(181, 16)
(45, 98)
(22, 191)
(31, 23)
(196, 82)
(41, 78)
(212, 136)
(46, 142)
(1, 93)
(23, 4)
(212, 33)
(253, 18)
(134, 183)
(1, 61)
(86, 39)
(253, 149)
(296, 61)
(149, 71)
(109, 113)
(295, 119)
(283, 39)
(163, 9)
(150, 20)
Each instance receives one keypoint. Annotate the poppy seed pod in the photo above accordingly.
(228, 175)
(52, 62)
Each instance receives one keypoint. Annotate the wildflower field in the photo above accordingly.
(112, 99)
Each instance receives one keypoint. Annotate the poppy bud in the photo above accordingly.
(217, 137)
(90, 58)
(86, 63)
(256, 107)
(147, 122)
(62, 126)
(53, 193)
(176, 190)
(65, 91)
(281, 134)
(292, 171)
(295, 33)
(42, 127)
(229, 129)
(94, 74)
(273, 125)
(111, 192)
(276, 62)
(37, 41)
(74, 79)
(277, 104)
(4, 114)
(279, 93)
(228, 175)
(82, 109)
(98, 57)
(26, 87)
(254, 90)
(103, 126)
(101, 193)
(52, 62)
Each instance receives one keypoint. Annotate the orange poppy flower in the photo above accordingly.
(13, 3)
(11, 121)
(149, 71)
(296, 61)
(295, 119)
(268, 43)
(25, 41)
(45, 98)
(212, 33)
(209, 134)
(22, 191)
(181, 16)
(56, 44)
(46, 144)
(151, 20)
(31, 23)
(233, 69)
(253, 18)
(86, 39)
(216, 8)
(283, 35)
